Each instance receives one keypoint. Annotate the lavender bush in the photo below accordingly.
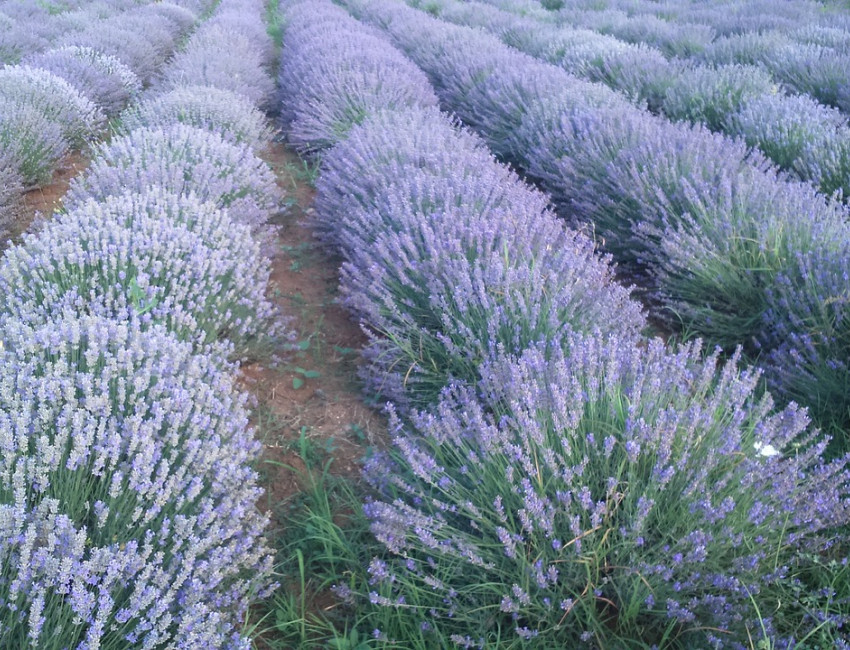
(246, 17)
(32, 143)
(747, 48)
(328, 91)
(674, 38)
(55, 98)
(153, 256)
(183, 159)
(711, 95)
(17, 41)
(224, 58)
(127, 497)
(388, 148)
(98, 76)
(809, 333)
(125, 44)
(228, 114)
(716, 268)
(451, 257)
(825, 36)
(798, 134)
(180, 19)
(812, 69)
(612, 495)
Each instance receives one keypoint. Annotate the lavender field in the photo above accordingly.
(424, 324)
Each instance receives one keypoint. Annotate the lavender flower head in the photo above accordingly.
(127, 497)
(607, 478)
(182, 159)
(155, 257)
(224, 112)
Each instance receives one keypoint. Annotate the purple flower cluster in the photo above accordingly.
(710, 95)
(239, 69)
(156, 256)
(605, 490)
(127, 516)
(799, 134)
(816, 70)
(143, 39)
(54, 98)
(127, 495)
(327, 92)
(449, 256)
(224, 112)
(30, 142)
(182, 159)
(101, 77)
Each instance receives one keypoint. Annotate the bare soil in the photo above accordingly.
(44, 201)
(312, 393)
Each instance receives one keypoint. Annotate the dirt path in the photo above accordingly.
(313, 392)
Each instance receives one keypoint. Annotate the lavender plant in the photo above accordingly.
(611, 495)
(180, 19)
(155, 257)
(125, 44)
(32, 143)
(55, 98)
(746, 48)
(453, 287)
(228, 114)
(98, 76)
(716, 268)
(817, 71)
(248, 21)
(330, 91)
(615, 167)
(11, 189)
(825, 36)
(224, 58)
(712, 95)
(127, 497)
(390, 146)
(809, 336)
(798, 134)
(17, 41)
(183, 159)
(450, 257)
(674, 38)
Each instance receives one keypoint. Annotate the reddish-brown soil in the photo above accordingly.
(312, 393)
(43, 201)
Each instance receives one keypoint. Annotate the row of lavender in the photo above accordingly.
(726, 248)
(59, 99)
(740, 98)
(127, 490)
(556, 480)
